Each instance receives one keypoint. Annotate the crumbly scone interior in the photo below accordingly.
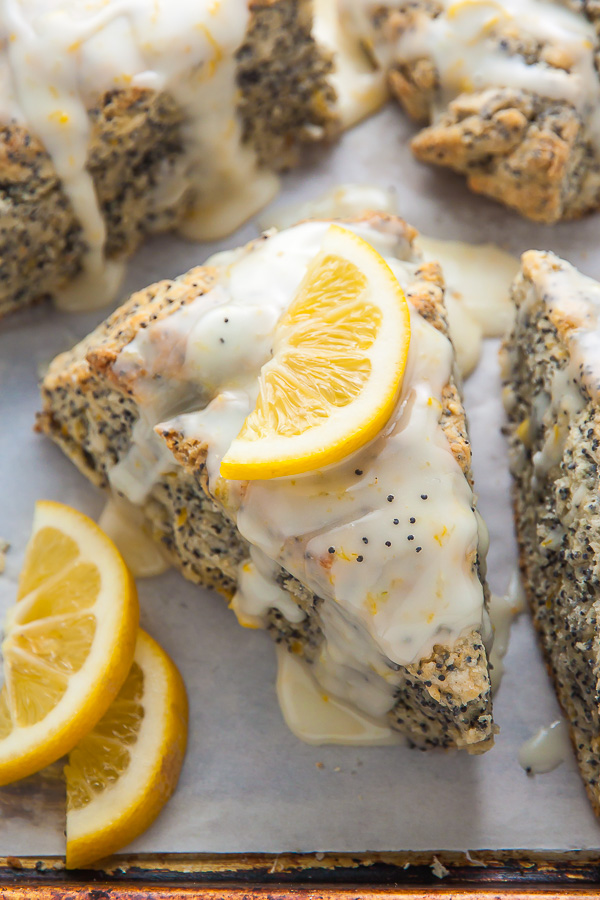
(91, 408)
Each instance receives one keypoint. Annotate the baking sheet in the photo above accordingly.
(248, 784)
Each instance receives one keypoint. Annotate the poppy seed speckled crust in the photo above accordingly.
(136, 142)
(533, 154)
(286, 98)
(557, 504)
(88, 410)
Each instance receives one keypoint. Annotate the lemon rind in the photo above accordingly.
(165, 714)
(283, 456)
(58, 732)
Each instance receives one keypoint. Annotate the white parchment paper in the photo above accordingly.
(248, 784)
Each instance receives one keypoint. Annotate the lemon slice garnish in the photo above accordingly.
(339, 354)
(69, 641)
(121, 774)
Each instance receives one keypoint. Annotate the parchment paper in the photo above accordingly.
(248, 784)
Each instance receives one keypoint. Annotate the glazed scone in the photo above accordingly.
(148, 404)
(510, 91)
(122, 120)
(551, 371)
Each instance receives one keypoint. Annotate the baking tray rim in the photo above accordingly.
(333, 876)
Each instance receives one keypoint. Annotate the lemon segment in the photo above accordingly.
(48, 551)
(69, 641)
(123, 772)
(339, 355)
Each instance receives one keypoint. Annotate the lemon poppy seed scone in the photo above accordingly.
(118, 120)
(511, 92)
(361, 551)
(552, 379)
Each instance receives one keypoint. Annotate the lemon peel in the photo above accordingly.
(69, 640)
(339, 356)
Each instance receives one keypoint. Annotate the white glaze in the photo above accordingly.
(258, 592)
(147, 459)
(546, 749)
(565, 401)
(59, 59)
(479, 276)
(464, 42)
(97, 284)
(296, 520)
(572, 302)
(41, 80)
(319, 718)
(573, 298)
(466, 334)
(360, 87)
(389, 607)
(503, 611)
(56, 60)
(126, 527)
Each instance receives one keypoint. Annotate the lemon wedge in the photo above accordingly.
(69, 640)
(123, 772)
(339, 355)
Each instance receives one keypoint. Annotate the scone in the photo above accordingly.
(372, 569)
(509, 90)
(116, 123)
(551, 370)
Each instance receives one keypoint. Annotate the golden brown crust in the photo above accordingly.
(524, 152)
(414, 86)
(427, 295)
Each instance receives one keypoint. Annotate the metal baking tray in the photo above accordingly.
(406, 875)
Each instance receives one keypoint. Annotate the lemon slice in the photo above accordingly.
(120, 776)
(339, 356)
(69, 641)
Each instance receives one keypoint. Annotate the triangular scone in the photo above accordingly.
(551, 370)
(144, 407)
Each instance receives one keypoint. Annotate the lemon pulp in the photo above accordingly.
(69, 640)
(339, 356)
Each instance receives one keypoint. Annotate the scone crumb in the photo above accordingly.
(438, 869)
